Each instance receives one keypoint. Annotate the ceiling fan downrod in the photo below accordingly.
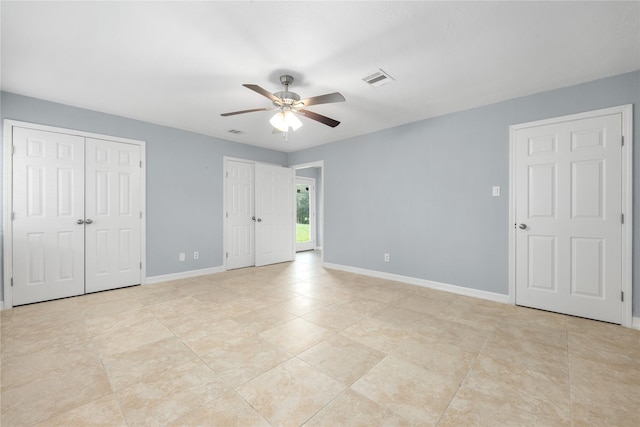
(286, 98)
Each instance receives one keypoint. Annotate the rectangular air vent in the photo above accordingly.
(235, 131)
(378, 78)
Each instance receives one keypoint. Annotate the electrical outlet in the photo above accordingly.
(196, 255)
(386, 257)
(496, 191)
(181, 256)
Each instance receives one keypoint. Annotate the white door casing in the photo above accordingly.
(63, 175)
(309, 183)
(240, 214)
(113, 215)
(319, 165)
(568, 238)
(48, 244)
(274, 214)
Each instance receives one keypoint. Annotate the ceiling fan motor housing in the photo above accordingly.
(286, 79)
(287, 98)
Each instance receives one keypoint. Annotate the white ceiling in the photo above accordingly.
(181, 64)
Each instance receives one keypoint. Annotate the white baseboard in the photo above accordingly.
(461, 290)
(174, 276)
(183, 275)
(476, 293)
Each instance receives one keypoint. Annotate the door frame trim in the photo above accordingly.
(626, 112)
(7, 199)
(320, 206)
(312, 219)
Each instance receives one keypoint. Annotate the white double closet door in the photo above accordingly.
(76, 223)
(259, 214)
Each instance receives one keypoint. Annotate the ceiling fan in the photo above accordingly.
(289, 106)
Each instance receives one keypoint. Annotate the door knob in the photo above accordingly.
(253, 218)
(259, 219)
(89, 221)
(80, 222)
(522, 226)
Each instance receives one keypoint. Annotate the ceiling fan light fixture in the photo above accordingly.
(283, 120)
(292, 120)
(277, 121)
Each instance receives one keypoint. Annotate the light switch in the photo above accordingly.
(496, 190)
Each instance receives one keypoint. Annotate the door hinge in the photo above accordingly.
(13, 149)
(622, 296)
(227, 214)
(12, 282)
(13, 216)
(621, 218)
(622, 141)
(140, 265)
(140, 214)
(227, 254)
(140, 163)
(226, 174)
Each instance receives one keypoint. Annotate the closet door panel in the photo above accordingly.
(113, 212)
(275, 221)
(48, 209)
(240, 214)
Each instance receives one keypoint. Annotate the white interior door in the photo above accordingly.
(113, 215)
(48, 188)
(305, 214)
(274, 214)
(240, 236)
(568, 190)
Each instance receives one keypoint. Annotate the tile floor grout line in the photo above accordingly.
(569, 375)
(465, 376)
(198, 358)
(326, 405)
(115, 394)
(525, 344)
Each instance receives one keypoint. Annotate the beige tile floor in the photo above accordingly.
(295, 344)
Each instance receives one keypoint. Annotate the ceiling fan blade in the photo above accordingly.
(319, 118)
(233, 113)
(323, 99)
(262, 92)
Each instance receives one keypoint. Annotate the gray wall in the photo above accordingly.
(184, 174)
(422, 192)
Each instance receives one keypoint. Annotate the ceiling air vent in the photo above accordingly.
(378, 78)
(235, 131)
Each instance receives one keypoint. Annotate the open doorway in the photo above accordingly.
(309, 175)
(305, 214)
